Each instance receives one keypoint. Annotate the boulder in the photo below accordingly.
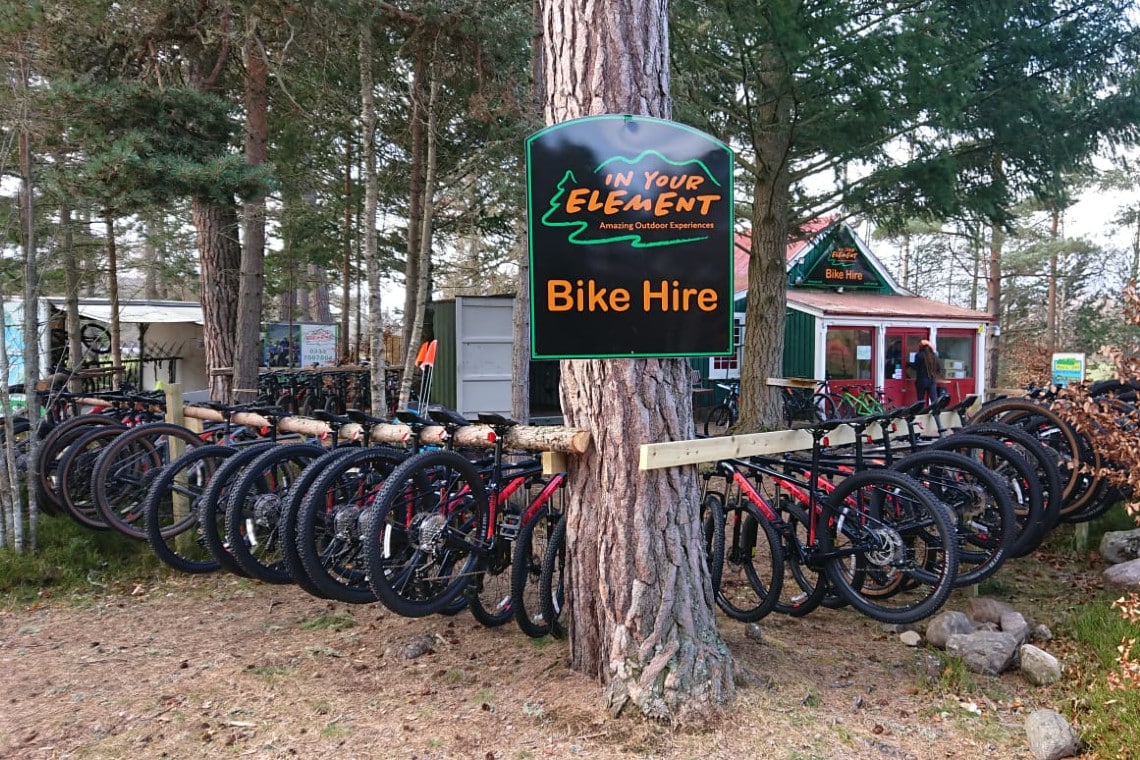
(1038, 666)
(1118, 546)
(984, 609)
(910, 638)
(945, 624)
(1050, 735)
(986, 652)
(1125, 574)
(1015, 625)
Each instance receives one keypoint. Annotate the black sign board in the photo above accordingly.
(630, 240)
(841, 265)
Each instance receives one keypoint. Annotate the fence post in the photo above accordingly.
(180, 502)
(1081, 537)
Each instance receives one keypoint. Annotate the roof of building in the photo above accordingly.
(855, 303)
(878, 305)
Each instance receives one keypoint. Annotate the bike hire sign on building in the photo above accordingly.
(630, 222)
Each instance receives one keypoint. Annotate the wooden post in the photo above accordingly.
(1081, 537)
(180, 501)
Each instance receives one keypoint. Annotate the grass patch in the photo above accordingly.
(333, 620)
(71, 559)
(270, 671)
(1109, 719)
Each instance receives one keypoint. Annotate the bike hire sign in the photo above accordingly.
(630, 222)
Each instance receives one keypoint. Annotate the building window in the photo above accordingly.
(957, 355)
(725, 363)
(849, 352)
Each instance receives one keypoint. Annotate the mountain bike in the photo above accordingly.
(886, 545)
(724, 415)
(442, 523)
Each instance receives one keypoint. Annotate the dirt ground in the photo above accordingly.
(186, 667)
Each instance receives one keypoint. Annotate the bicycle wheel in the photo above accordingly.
(489, 592)
(51, 449)
(254, 510)
(423, 544)
(333, 520)
(712, 529)
(291, 506)
(834, 406)
(1046, 425)
(551, 581)
(74, 471)
(211, 506)
(1042, 458)
(886, 532)
(125, 468)
(172, 505)
(804, 587)
(95, 337)
(1018, 477)
(720, 419)
(526, 569)
(985, 520)
(21, 439)
(754, 564)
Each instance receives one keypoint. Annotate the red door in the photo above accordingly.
(902, 344)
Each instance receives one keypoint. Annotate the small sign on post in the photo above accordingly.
(631, 236)
(1068, 368)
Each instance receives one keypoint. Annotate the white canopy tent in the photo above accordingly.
(172, 327)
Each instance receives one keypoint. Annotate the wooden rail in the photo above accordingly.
(521, 437)
(700, 450)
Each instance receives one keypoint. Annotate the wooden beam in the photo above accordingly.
(699, 450)
(793, 382)
(520, 438)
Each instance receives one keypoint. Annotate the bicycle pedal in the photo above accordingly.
(509, 525)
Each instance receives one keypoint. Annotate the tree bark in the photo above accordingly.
(520, 327)
(219, 258)
(639, 596)
(247, 352)
(1051, 318)
(113, 298)
(423, 269)
(418, 150)
(760, 405)
(993, 305)
(376, 348)
(346, 256)
(152, 256)
(71, 276)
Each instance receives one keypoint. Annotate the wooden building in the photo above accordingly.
(850, 321)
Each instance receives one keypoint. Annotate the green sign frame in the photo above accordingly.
(631, 240)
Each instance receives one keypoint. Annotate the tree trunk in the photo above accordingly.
(639, 596)
(318, 298)
(415, 191)
(1051, 305)
(152, 258)
(423, 276)
(763, 353)
(993, 305)
(376, 348)
(220, 258)
(20, 540)
(113, 298)
(520, 328)
(247, 354)
(346, 258)
(71, 276)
